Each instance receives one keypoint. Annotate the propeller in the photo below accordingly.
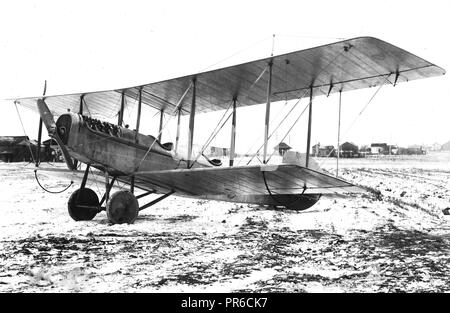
(49, 122)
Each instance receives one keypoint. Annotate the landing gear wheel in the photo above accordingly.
(83, 204)
(122, 207)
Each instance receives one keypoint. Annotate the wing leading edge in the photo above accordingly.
(347, 65)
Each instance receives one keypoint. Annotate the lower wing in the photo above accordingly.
(248, 180)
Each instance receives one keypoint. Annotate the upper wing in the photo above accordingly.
(247, 180)
(347, 65)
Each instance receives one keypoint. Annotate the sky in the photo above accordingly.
(81, 46)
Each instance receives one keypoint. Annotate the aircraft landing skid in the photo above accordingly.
(121, 207)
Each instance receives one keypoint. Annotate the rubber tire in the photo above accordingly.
(122, 207)
(84, 196)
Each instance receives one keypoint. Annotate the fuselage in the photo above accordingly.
(116, 149)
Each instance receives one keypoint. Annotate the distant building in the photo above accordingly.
(364, 150)
(218, 152)
(16, 149)
(379, 148)
(402, 151)
(51, 152)
(434, 147)
(22, 149)
(348, 150)
(282, 148)
(392, 150)
(323, 151)
(412, 150)
(415, 150)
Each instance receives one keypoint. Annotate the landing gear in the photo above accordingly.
(123, 207)
(83, 204)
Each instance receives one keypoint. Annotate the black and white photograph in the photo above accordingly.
(240, 148)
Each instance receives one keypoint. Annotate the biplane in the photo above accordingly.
(145, 162)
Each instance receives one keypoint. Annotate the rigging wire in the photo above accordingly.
(133, 106)
(31, 152)
(310, 37)
(24, 132)
(236, 53)
(162, 128)
(320, 88)
(373, 68)
(277, 115)
(212, 136)
(176, 108)
(298, 118)
(356, 118)
(95, 180)
(271, 122)
(213, 133)
(179, 103)
(85, 104)
(279, 124)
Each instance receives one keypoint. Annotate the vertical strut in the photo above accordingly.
(138, 123)
(80, 110)
(122, 108)
(108, 190)
(233, 133)
(86, 173)
(191, 122)
(178, 130)
(266, 126)
(38, 148)
(161, 117)
(308, 142)
(138, 119)
(132, 184)
(106, 185)
(339, 135)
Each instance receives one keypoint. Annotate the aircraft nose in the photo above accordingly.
(63, 125)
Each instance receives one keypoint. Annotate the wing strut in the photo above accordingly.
(266, 128)
(38, 148)
(177, 139)
(339, 134)
(191, 122)
(138, 122)
(80, 110)
(308, 143)
(138, 118)
(122, 108)
(233, 133)
(161, 118)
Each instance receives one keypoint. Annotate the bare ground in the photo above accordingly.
(394, 239)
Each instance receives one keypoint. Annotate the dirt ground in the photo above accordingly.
(393, 239)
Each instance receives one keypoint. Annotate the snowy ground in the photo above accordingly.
(393, 239)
